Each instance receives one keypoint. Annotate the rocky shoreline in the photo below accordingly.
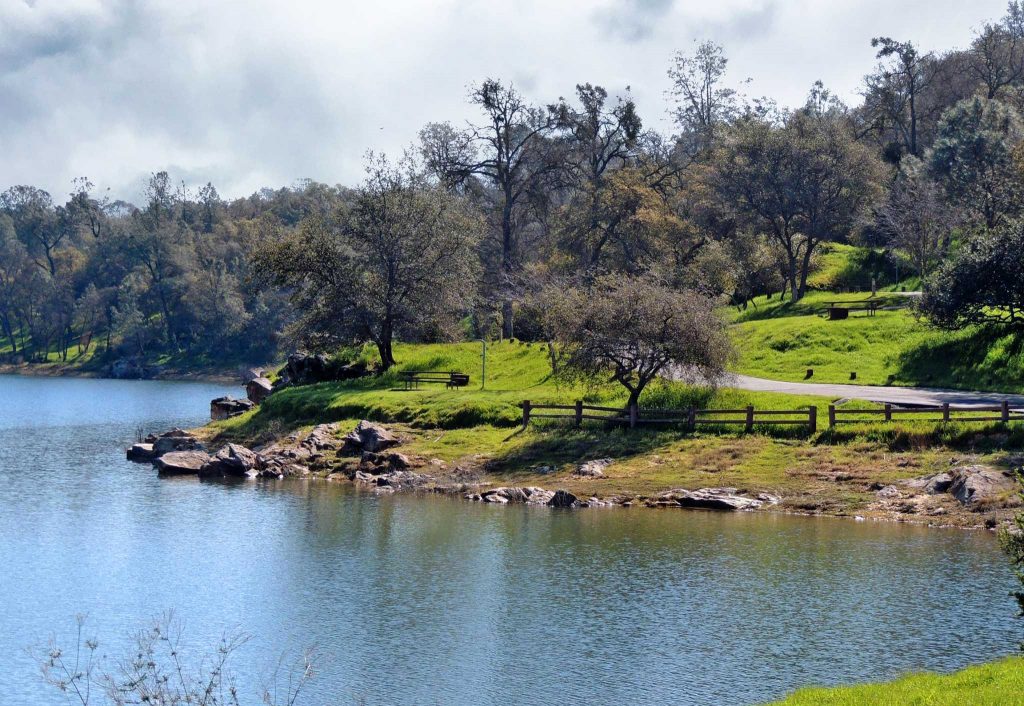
(367, 457)
(370, 456)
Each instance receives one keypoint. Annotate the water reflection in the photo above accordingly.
(428, 599)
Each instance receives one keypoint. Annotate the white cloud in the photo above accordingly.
(263, 93)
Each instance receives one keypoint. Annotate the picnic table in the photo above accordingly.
(451, 379)
(841, 310)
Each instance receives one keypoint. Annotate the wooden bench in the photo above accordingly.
(413, 378)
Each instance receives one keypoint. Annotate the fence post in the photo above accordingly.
(812, 419)
(945, 411)
(831, 416)
(1006, 412)
(526, 413)
(888, 412)
(691, 418)
(579, 413)
(750, 417)
(634, 414)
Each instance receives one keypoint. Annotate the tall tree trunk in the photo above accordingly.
(805, 268)
(387, 356)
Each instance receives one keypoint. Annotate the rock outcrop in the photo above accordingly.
(711, 499)
(935, 484)
(232, 460)
(258, 389)
(226, 407)
(368, 436)
(182, 462)
(175, 440)
(141, 452)
(593, 469)
(563, 498)
(307, 369)
(974, 484)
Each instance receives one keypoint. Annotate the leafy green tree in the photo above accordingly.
(799, 183)
(511, 154)
(982, 283)
(632, 329)
(973, 158)
(400, 259)
(897, 87)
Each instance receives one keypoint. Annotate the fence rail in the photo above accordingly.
(1005, 413)
(748, 417)
(690, 418)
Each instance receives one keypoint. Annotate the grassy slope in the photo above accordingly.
(780, 340)
(992, 684)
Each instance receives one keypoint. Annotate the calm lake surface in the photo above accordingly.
(432, 600)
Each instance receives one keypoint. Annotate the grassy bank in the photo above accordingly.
(781, 340)
(477, 430)
(995, 684)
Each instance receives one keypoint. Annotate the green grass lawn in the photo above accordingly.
(781, 341)
(993, 684)
(515, 372)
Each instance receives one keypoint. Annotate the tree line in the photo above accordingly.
(485, 229)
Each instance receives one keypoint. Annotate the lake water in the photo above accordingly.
(433, 600)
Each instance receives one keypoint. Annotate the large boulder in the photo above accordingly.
(141, 453)
(368, 436)
(307, 369)
(232, 460)
(973, 484)
(935, 484)
(708, 499)
(322, 438)
(175, 440)
(182, 462)
(226, 407)
(593, 469)
(258, 389)
(251, 374)
(563, 498)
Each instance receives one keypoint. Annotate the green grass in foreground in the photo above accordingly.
(991, 684)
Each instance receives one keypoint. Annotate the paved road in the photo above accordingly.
(922, 396)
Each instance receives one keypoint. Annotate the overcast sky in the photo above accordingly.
(265, 92)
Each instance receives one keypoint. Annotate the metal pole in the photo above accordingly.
(483, 365)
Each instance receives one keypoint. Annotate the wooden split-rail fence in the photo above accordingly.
(691, 418)
(748, 417)
(997, 413)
